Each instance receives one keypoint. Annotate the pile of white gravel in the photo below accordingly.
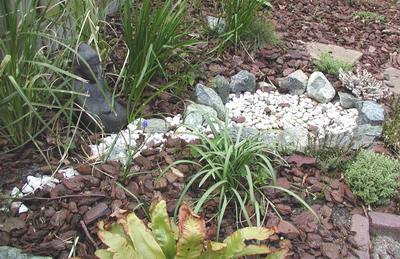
(272, 110)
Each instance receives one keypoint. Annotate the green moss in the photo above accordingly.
(330, 65)
(391, 128)
(373, 177)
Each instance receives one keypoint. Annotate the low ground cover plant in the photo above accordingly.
(330, 65)
(369, 16)
(235, 170)
(373, 177)
(130, 238)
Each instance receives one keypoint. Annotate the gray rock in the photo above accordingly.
(196, 115)
(319, 88)
(216, 24)
(371, 112)
(297, 82)
(243, 81)
(207, 96)
(347, 101)
(385, 247)
(293, 138)
(364, 135)
(156, 125)
(222, 87)
(97, 101)
(246, 132)
(7, 252)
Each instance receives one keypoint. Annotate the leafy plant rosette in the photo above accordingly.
(131, 238)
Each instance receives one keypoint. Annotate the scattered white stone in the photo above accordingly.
(34, 183)
(68, 172)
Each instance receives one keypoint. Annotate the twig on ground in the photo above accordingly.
(88, 234)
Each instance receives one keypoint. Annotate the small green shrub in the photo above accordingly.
(373, 177)
(130, 238)
(369, 16)
(391, 128)
(328, 64)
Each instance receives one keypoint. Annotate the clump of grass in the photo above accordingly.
(31, 95)
(244, 25)
(156, 34)
(369, 16)
(235, 170)
(373, 177)
(332, 152)
(391, 128)
(330, 65)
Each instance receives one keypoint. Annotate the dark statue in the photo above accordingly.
(99, 100)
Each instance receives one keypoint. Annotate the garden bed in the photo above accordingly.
(64, 217)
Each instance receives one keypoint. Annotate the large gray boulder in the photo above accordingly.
(98, 104)
(319, 88)
(371, 112)
(222, 88)
(207, 96)
(347, 101)
(297, 82)
(243, 81)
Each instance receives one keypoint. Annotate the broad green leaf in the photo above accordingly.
(161, 228)
(253, 250)
(126, 252)
(103, 254)
(142, 239)
(113, 240)
(235, 242)
(191, 234)
(279, 254)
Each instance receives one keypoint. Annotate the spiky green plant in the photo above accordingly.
(156, 34)
(235, 170)
(130, 238)
(33, 82)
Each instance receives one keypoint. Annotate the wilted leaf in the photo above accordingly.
(161, 228)
(191, 234)
(113, 240)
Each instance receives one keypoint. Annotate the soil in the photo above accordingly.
(56, 216)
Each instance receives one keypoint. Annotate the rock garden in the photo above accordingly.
(200, 129)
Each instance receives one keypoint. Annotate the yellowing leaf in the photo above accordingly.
(113, 240)
(142, 239)
(191, 234)
(279, 254)
(161, 228)
(103, 254)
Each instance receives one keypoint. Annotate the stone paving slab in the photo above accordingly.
(392, 79)
(360, 226)
(315, 49)
(385, 224)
